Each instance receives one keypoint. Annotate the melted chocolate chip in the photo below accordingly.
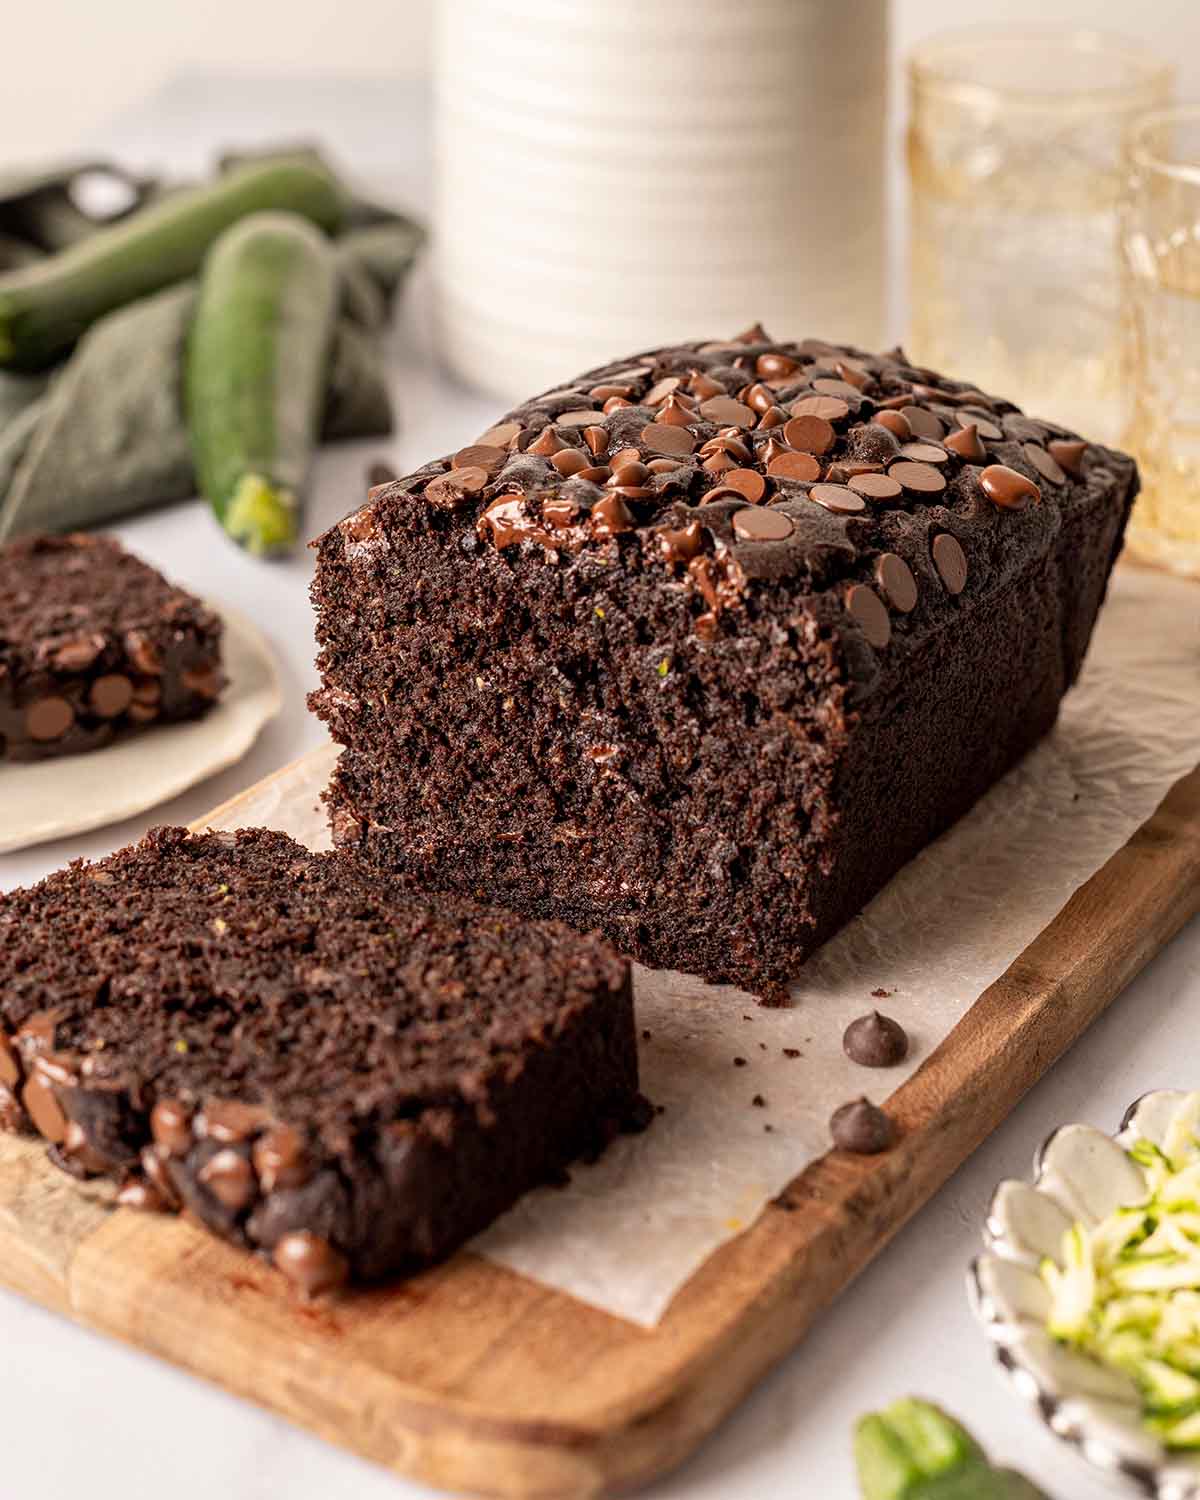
(1008, 489)
(310, 1263)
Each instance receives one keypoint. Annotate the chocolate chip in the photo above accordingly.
(951, 562)
(310, 1263)
(143, 653)
(631, 471)
(965, 443)
(895, 423)
(230, 1121)
(569, 461)
(1008, 489)
(503, 435)
(229, 1177)
(838, 498)
(854, 375)
(809, 434)
(154, 1165)
(660, 390)
(875, 1041)
(895, 578)
(703, 386)
(597, 440)
(44, 1109)
(10, 1063)
(615, 403)
(611, 516)
(923, 423)
(143, 1196)
(757, 523)
(660, 437)
(624, 456)
(881, 487)
(861, 1127)
(775, 366)
(826, 408)
(870, 612)
(111, 695)
(676, 412)
(920, 479)
(36, 1034)
(171, 1126)
(1046, 465)
(773, 417)
(280, 1158)
(1069, 453)
(759, 398)
(748, 483)
(595, 474)
(726, 411)
(48, 719)
(755, 334)
(205, 682)
(607, 391)
(545, 445)
(84, 1157)
(925, 453)
(985, 428)
(77, 655)
(731, 445)
(801, 466)
(680, 545)
(481, 456)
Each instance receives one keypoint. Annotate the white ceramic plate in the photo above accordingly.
(50, 799)
(1080, 1173)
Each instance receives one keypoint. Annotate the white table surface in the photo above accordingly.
(80, 1410)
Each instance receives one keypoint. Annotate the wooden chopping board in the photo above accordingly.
(476, 1379)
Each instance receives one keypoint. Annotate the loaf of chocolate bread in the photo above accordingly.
(94, 643)
(700, 648)
(317, 1064)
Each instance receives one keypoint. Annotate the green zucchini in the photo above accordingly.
(915, 1451)
(255, 373)
(44, 308)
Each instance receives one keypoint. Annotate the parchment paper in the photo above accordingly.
(630, 1229)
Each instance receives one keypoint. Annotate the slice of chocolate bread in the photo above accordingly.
(317, 1063)
(701, 647)
(95, 643)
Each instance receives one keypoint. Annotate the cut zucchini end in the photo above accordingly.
(261, 516)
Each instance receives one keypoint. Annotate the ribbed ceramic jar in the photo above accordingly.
(614, 174)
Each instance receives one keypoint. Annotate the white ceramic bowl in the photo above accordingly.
(1080, 1174)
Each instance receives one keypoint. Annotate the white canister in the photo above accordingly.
(611, 176)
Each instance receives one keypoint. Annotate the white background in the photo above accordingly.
(82, 1413)
(71, 64)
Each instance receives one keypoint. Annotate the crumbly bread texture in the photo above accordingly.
(316, 1063)
(93, 644)
(700, 648)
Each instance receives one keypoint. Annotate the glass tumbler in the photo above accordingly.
(1016, 151)
(1161, 222)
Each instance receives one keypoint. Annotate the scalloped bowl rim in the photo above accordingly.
(1097, 1421)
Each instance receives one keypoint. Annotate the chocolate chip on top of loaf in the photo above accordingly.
(94, 643)
(317, 1063)
(700, 647)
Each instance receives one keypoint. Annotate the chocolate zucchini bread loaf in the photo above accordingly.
(94, 643)
(314, 1062)
(700, 648)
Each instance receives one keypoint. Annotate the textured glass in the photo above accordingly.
(1162, 349)
(1016, 153)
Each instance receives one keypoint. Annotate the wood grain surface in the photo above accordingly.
(475, 1379)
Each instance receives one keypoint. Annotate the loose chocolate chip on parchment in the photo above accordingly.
(875, 1041)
